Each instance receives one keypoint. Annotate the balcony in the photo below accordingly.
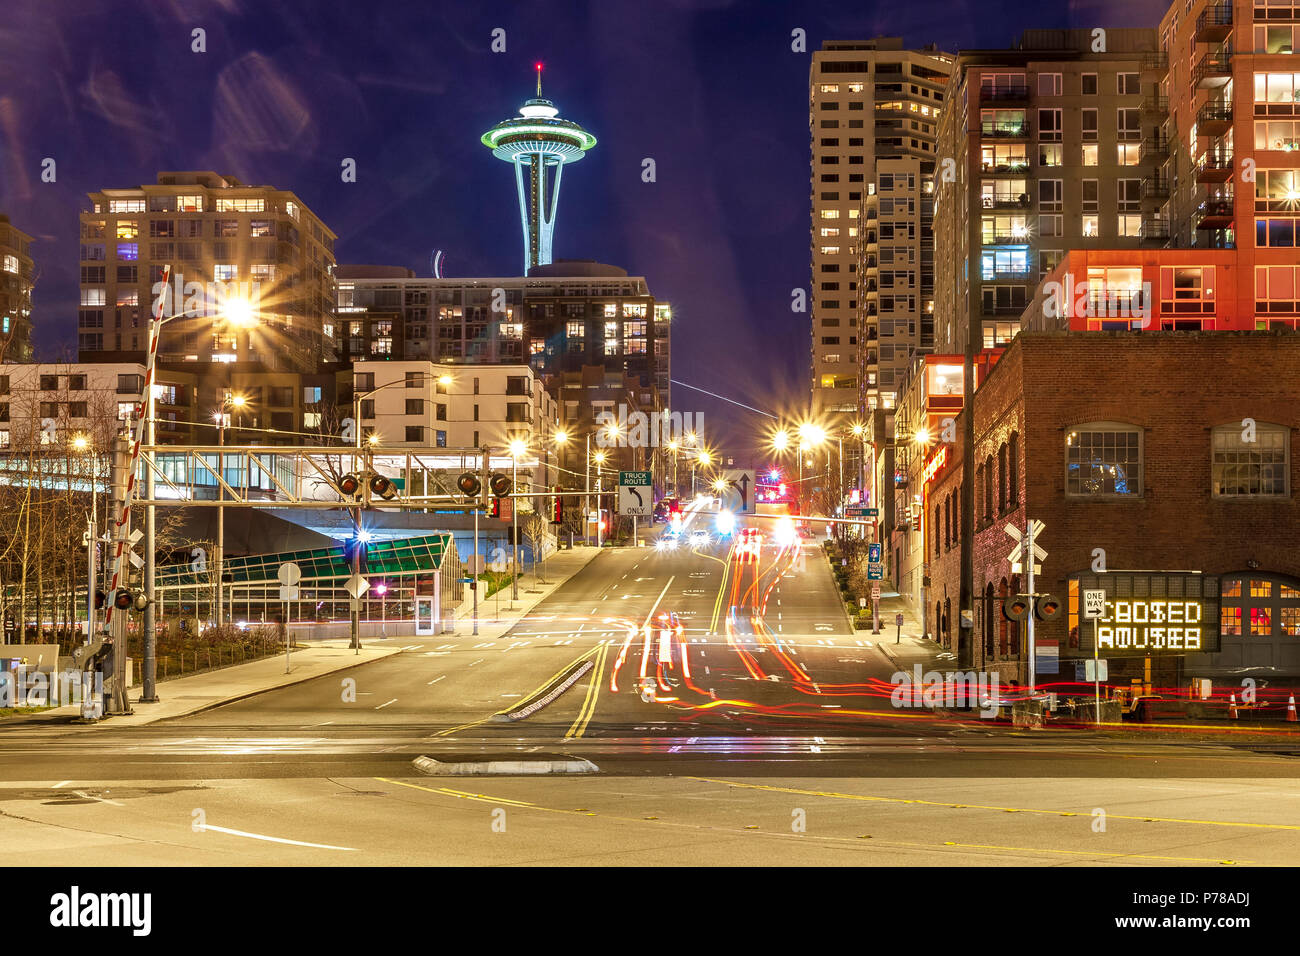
(1002, 308)
(1154, 229)
(1215, 211)
(1215, 167)
(1214, 119)
(1006, 202)
(1004, 94)
(1016, 167)
(1156, 104)
(1004, 130)
(1214, 25)
(1155, 61)
(1212, 70)
(1005, 239)
(1153, 148)
(1155, 187)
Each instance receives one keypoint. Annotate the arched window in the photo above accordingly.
(947, 612)
(988, 621)
(1002, 478)
(1014, 628)
(947, 522)
(1250, 463)
(1013, 469)
(1103, 460)
(1002, 618)
(937, 514)
(988, 488)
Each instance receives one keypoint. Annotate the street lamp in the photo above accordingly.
(599, 459)
(228, 401)
(703, 458)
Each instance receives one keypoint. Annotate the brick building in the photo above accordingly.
(1135, 443)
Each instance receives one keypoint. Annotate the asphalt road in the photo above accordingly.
(763, 737)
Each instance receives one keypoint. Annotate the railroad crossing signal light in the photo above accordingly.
(496, 507)
(349, 486)
(383, 487)
(469, 485)
(126, 600)
(1048, 608)
(1016, 608)
(500, 485)
(100, 599)
(557, 507)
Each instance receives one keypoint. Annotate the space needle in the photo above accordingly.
(539, 144)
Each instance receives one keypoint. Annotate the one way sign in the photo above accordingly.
(742, 484)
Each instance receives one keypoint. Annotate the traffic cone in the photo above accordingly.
(1290, 709)
(1232, 708)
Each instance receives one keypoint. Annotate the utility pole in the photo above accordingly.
(356, 521)
(1028, 563)
(221, 512)
(514, 516)
(480, 466)
(148, 666)
(967, 591)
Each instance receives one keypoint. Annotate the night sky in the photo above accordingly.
(286, 90)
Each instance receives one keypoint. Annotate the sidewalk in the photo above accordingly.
(183, 696)
(914, 647)
(560, 567)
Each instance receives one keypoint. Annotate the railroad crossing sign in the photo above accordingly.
(744, 482)
(1016, 557)
(357, 586)
(634, 494)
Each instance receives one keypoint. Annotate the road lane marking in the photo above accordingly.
(271, 839)
(479, 661)
(61, 783)
(435, 680)
(459, 794)
(382, 706)
(593, 694)
(87, 796)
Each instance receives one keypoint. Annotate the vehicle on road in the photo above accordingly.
(700, 536)
(750, 545)
(670, 650)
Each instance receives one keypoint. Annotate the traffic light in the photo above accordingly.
(500, 485)
(557, 507)
(100, 599)
(496, 507)
(383, 487)
(1016, 608)
(469, 485)
(350, 486)
(1048, 608)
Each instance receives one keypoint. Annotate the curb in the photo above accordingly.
(436, 768)
(549, 697)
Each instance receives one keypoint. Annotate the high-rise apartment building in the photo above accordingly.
(16, 280)
(225, 241)
(1055, 144)
(1233, 90)
(559, 318)
(903, 90)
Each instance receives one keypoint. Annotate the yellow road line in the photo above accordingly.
(593, 694)
(529, 696)
(1091, 853)
(459, 794)
(975, 806)
(717, 602)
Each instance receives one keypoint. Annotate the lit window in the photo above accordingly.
(127, 229)
(1127, 154)
(11, 264)
(1090, 226)
(241, 205)
(128, 250)
(830, 214)
(1090, 154)
(225, 272)
(189, 204)
(126, 205)
(93, 296)
(1103, 460)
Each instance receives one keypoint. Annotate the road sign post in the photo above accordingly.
(289, 575)
(1094, 606)
(898, 622)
